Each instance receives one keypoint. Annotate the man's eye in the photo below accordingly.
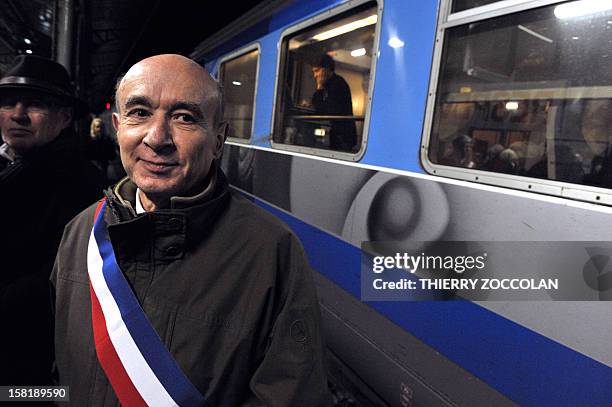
(8, 102)
(184, 118)
(140, 113)
(39, 104)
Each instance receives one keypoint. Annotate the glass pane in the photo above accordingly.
(460, 5)
(324, 82)
(238, 80)
(528, 94)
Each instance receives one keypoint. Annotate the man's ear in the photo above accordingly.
(222, 132)
(66, 117)
(116, 121)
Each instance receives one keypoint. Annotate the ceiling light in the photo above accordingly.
(28, 51)
(27, 41)
(343, 29)
(512, 106)
(358, 52)
(236, 83)
(581, 8)
(395, 42)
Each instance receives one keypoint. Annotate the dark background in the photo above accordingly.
(108, 36)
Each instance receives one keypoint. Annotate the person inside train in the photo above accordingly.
(332, 97)
(210, 295)
(507, 162)
(43, 183)
(462, 152)
(492, 156)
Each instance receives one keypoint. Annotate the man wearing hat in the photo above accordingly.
(43, 184)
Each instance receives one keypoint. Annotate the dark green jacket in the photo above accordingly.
(226, 286)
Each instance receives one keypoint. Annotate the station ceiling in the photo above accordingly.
(113, 34)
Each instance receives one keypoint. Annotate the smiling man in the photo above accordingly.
(173, 289)
(44, 183)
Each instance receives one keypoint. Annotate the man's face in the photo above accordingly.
(97, 128)
(321, 75)
(165, 126)
(29, 120)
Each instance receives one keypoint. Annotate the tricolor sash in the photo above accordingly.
(136, 362)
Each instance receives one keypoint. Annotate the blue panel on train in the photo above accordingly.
(402, 77)
(265, 90)
(298, 9)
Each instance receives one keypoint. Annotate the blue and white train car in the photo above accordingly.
(471, 120)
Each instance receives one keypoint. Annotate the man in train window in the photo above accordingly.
(43, 184)
(332, 97)
(174, 289)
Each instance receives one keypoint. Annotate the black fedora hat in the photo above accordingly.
(45, 76)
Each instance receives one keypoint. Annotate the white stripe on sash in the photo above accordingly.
(139, 371)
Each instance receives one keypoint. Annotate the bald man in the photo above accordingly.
(174, 290)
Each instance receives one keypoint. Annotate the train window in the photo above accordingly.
(238, 75)
(324, 84)
(528, 94)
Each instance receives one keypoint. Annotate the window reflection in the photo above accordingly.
(527, 94)
(238, 77)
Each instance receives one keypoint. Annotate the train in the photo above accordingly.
(468, 121)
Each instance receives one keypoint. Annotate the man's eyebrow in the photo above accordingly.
(137, 100)
(194, 108)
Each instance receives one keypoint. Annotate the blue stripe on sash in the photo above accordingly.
(182, 391)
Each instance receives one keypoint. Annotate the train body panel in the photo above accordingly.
(533, 353)
(401, 79)
(524, 354)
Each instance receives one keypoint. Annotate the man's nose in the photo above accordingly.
(159, 135)
(20, 112)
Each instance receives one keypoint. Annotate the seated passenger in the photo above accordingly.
(506, 162)
(492, 154)
(462, 153)
(333, 97)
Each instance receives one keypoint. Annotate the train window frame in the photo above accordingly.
(237, 54)
(495, 9)
(303, 25)
(447, 20)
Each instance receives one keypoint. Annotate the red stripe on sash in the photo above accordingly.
(109, 360)
(107, 355)
(98, 209)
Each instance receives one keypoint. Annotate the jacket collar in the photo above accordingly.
(188, 221)
(7, 153)
(123, 195)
